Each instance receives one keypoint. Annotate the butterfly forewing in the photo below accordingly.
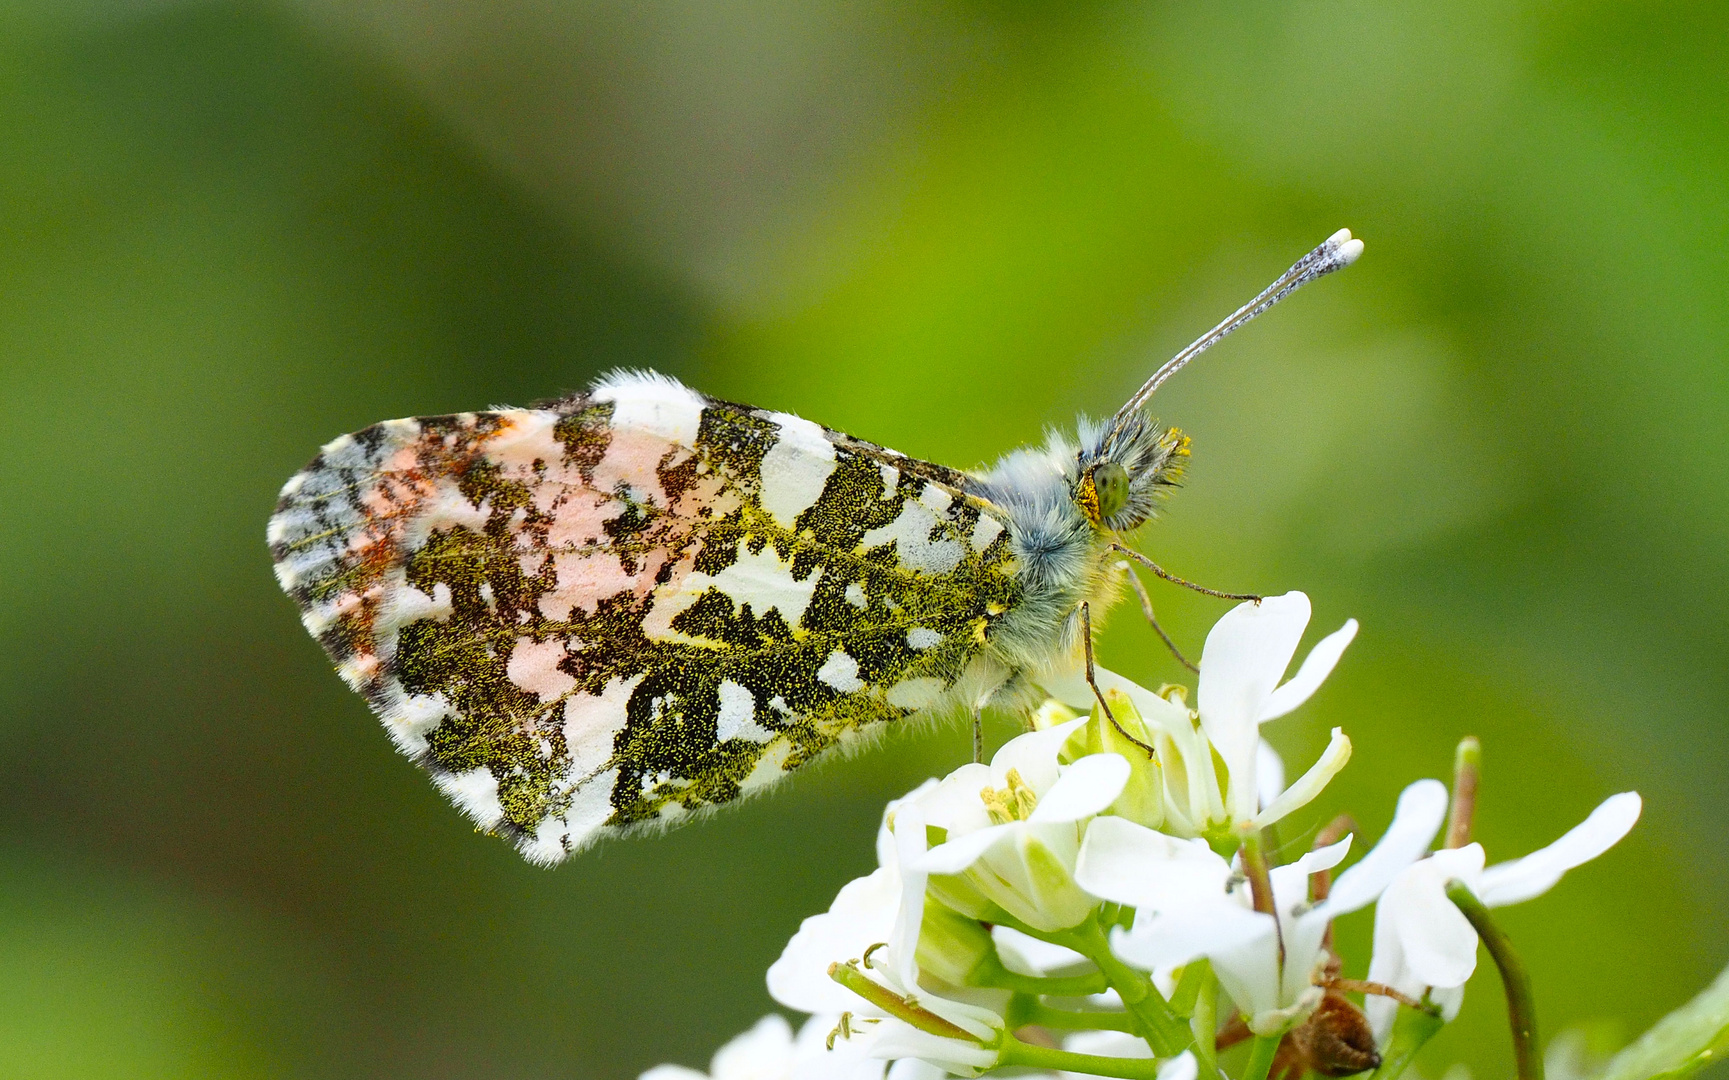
(634, 603)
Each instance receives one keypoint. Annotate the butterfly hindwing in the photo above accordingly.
(633, 603)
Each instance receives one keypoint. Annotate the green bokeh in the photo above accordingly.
(229, 233)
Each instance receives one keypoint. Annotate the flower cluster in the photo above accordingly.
(1102, 898)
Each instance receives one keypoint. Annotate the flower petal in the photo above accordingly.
(910, 917)
(1440, 947)
(863, 913)
(1034, 756)
(1291, 881)
(1535, 874)
(1221, 931)
(1422, 807)
(1313, 862)
(953, 804)
(765, 1050)
(1316, 667)
(1181, 1067)
(885, 836)
(849, 1060)
(956, 855)
(1303, 935)
(1086, 788)
(1245, 954)
(1245, 656)
(896, 1039)
(1132, 864)
(1310, 784)
(1387, 966)
(1269, 774)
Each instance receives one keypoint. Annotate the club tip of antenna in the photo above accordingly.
(1345, 249)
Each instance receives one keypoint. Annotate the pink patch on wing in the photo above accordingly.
(585, 579)
(633, 457)
(533, 666)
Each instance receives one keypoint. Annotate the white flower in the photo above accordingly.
(896, 1040)
(969, 1052)
(887, 907)
(867, 911)
(1013, 830)
(1423, 943)
(1245, 657)
(1190, 903)
(768, 1051)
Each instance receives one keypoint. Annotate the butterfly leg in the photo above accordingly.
(1360, 986)
(1123, 549)
(978, 737)
(1092, 681)
(1147, 610)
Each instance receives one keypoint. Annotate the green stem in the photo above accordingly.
(1162, 1030)
(1412, 1029)
(1260, 878)
(1467, 774)
(1261, 1053)
(1031, 1012)
(1001, 978)
(1015, 1052)
(1521, 1006)
(1196, 973)
(1204, 1025)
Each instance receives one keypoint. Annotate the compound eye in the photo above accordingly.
(1111, 481)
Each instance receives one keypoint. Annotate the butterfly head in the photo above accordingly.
(1123, 472)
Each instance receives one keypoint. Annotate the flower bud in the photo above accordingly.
(952, 947)
(1143, 797)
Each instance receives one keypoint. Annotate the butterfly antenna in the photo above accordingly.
(1335, 253)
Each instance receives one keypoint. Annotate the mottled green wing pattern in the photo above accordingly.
(638, 602)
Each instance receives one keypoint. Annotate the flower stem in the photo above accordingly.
(1261, 885)
(1467, 771)
(1261, 1053)
(1412, 1030)
(1001, 978)
(1204, 1025)
(1521, 1007)
(1031, 1012)
(1162, 1030)
(1015, 1052)
(893, 1004)
(1196, 974)
(1260, 878)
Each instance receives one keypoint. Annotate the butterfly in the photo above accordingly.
(616, 609)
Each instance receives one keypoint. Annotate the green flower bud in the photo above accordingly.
(1143, 799)
(953, 947)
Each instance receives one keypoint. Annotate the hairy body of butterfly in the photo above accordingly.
(638, 602)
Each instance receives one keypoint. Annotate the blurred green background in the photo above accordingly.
(230, 232)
